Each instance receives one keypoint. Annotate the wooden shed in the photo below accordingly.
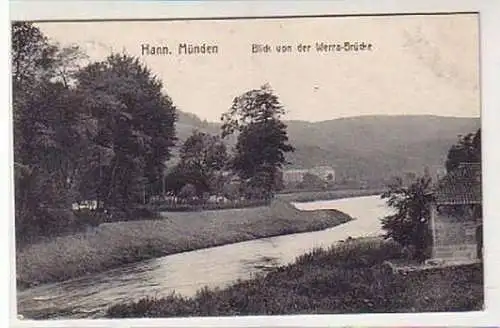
(456, 215)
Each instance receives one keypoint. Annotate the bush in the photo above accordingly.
(188, 191)
(42, 223)
(91, 218)
(409, 225)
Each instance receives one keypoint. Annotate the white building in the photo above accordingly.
(294, 175)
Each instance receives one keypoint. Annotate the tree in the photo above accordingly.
(202, 159)
(262, 138)
(409, 225)
(206, 152)
(48, 130)
(135, 127)
(32, 55)
(102, 132)
(467, 150)
(188, 191)
(203, 156)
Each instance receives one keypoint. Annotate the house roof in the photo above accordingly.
(460, 186)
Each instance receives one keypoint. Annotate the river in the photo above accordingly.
(185, 273)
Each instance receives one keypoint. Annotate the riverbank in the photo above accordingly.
(347, 278)
(111, 245)
(310, 196)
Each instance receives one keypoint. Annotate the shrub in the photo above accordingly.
(409, 225)
(188, 191)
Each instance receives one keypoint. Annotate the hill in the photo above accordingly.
(371, 148)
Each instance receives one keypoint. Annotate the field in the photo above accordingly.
(349, 278)
(113, 244)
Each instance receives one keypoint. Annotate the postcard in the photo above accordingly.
(247, 166)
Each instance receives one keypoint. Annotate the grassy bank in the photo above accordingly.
(113, 244)
(308, 196)
(346, 279)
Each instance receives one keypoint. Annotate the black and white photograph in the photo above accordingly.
(247, 166)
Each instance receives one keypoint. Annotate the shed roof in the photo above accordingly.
(460, 186)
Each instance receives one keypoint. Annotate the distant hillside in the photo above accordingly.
(187, 122)
(365, 147)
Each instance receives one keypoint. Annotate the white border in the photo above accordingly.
(490, 84)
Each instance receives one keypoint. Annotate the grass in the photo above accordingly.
(180, 207)
(308, 196)
(111, 245)
(349, 278)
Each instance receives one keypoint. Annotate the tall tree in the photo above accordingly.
(467, 150)
(262, 137)
(136, 126)
(47, 128)
(32, 54)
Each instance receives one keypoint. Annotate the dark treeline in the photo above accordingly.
(94, 132)
(103, 131)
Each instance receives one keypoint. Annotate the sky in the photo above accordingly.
(417, 65)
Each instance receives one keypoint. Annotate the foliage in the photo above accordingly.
(202, 159)
(232, 190)
(409, 225)
(311, 181)
(188, 191)
(467, 150)
(99, 132)
(262, 140)
(203, 151)
(32, 55)
(135, 126)
(176, 179)
(48, 128)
